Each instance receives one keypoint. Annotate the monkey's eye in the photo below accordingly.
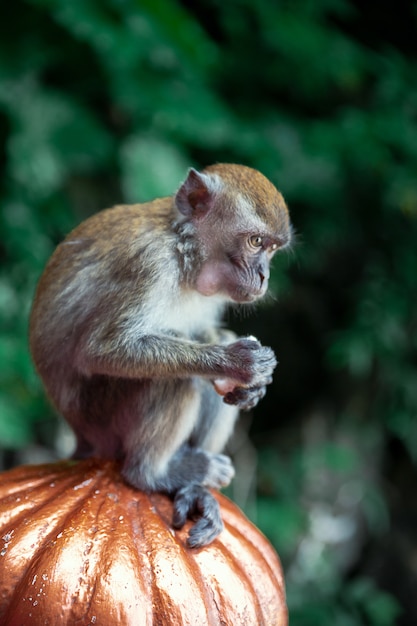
(273, 247)
(255, 241)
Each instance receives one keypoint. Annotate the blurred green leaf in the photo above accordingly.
(380, 608)
(152, 168)
(15, 430)
(282, 521)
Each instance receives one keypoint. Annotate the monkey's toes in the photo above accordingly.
(196, 502)
(220, 471)
(205, 530)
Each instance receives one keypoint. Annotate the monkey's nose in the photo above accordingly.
(263, 275)
(263, 279)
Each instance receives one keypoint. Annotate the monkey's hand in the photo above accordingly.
(252, 367)
(245, 398)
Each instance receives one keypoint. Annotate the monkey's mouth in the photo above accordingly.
(242, 296)
(247, 285)
(249, 291)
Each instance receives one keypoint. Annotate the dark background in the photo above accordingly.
(110, 101)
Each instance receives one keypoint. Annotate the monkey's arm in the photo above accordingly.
(243, 363)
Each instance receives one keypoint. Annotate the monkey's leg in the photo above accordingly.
(158, 418)
(215, 423)
(159, 457)
(199, 457)
(198, 470)
(213, 428)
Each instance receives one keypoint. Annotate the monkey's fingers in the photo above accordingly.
(245, 398)
(267, 361)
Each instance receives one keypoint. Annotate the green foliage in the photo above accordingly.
(358, 603)
(103, 101)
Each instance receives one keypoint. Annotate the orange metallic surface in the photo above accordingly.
(80, 547)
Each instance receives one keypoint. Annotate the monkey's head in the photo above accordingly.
(239, 220)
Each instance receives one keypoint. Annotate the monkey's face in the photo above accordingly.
(238, 272)
(240, 220)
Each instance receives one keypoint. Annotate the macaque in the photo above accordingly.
(126, 333)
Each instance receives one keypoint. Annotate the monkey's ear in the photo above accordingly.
(195, 195)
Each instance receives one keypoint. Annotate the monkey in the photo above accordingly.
(126, 333)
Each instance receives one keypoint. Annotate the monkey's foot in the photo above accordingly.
(220, 471)
(197, 503)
